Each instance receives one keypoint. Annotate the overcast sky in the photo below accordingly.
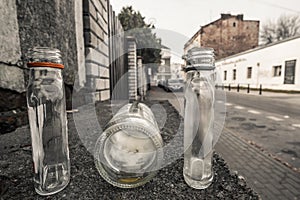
(184, 17)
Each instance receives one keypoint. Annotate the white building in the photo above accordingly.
(276, 66)
(164, 70)
(176, 70)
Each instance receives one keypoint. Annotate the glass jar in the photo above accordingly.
(48, 121)
(199, 118)
(129, 152)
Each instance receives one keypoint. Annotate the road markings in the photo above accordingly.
(296, 125)
(254, 112)
(228, 104)
(275, 118)
(239, 107)
(286, 117)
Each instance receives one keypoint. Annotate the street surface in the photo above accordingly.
(260, 139)
(270, 121)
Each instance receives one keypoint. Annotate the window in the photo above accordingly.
(289, 73)
(225, 75)
(249, 72)
(277, 70)
(234, 74)
(234, 24)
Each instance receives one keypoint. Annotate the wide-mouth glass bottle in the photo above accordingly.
(129, 152)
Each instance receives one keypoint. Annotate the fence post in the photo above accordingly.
(248, 88)
(229, 88)
(222, 86)
(132, 68)
(260, 89)
(238, 88)
(140, 77)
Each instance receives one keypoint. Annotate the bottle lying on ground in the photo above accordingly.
(129, 152)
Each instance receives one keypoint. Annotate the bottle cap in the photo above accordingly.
(200, 58)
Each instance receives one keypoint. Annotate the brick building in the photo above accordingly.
(228, 35)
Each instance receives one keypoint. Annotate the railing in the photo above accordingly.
(239, 87)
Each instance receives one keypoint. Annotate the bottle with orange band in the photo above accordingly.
(48, 121)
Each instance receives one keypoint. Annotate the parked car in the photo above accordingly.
(174, 85)
(161, 83)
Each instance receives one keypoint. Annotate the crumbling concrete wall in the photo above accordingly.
(12, 84)
(50, 24)
(30, 23)
(79, 29)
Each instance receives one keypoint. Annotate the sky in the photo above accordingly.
(181, 19)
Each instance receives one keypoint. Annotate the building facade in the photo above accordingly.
(275, 66)
(164, 69)
(228, 35)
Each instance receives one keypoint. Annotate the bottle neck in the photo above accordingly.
(45, 73)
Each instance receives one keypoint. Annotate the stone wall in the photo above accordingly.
(12, 84)
(50, 24)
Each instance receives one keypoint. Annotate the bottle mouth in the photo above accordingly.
(45, 64)
(44, 57)
(129, 148)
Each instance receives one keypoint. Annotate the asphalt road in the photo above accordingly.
(280, 104)
(271, 121)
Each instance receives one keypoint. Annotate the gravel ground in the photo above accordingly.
(86, 183)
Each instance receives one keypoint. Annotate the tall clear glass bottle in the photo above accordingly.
(199, 117)
(48, 121)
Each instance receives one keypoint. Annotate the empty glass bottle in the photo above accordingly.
(48, 121)
(199, 117)
(129, 152)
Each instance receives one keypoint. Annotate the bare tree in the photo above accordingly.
(285, 27)
(268, 32)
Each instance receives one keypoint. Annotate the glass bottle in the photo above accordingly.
(199, 117)
(129, 152)
(48, 121)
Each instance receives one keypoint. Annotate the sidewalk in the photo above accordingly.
(268, 177)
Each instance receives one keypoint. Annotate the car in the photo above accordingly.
(161, 84)
(174, 85)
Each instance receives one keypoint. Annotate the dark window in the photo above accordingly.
(249, 72)
(289, 73)
(225, 75)
(277, 70)
(234, 24)
(234, 74)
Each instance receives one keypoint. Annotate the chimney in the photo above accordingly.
(240, 17)
(225, 16)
